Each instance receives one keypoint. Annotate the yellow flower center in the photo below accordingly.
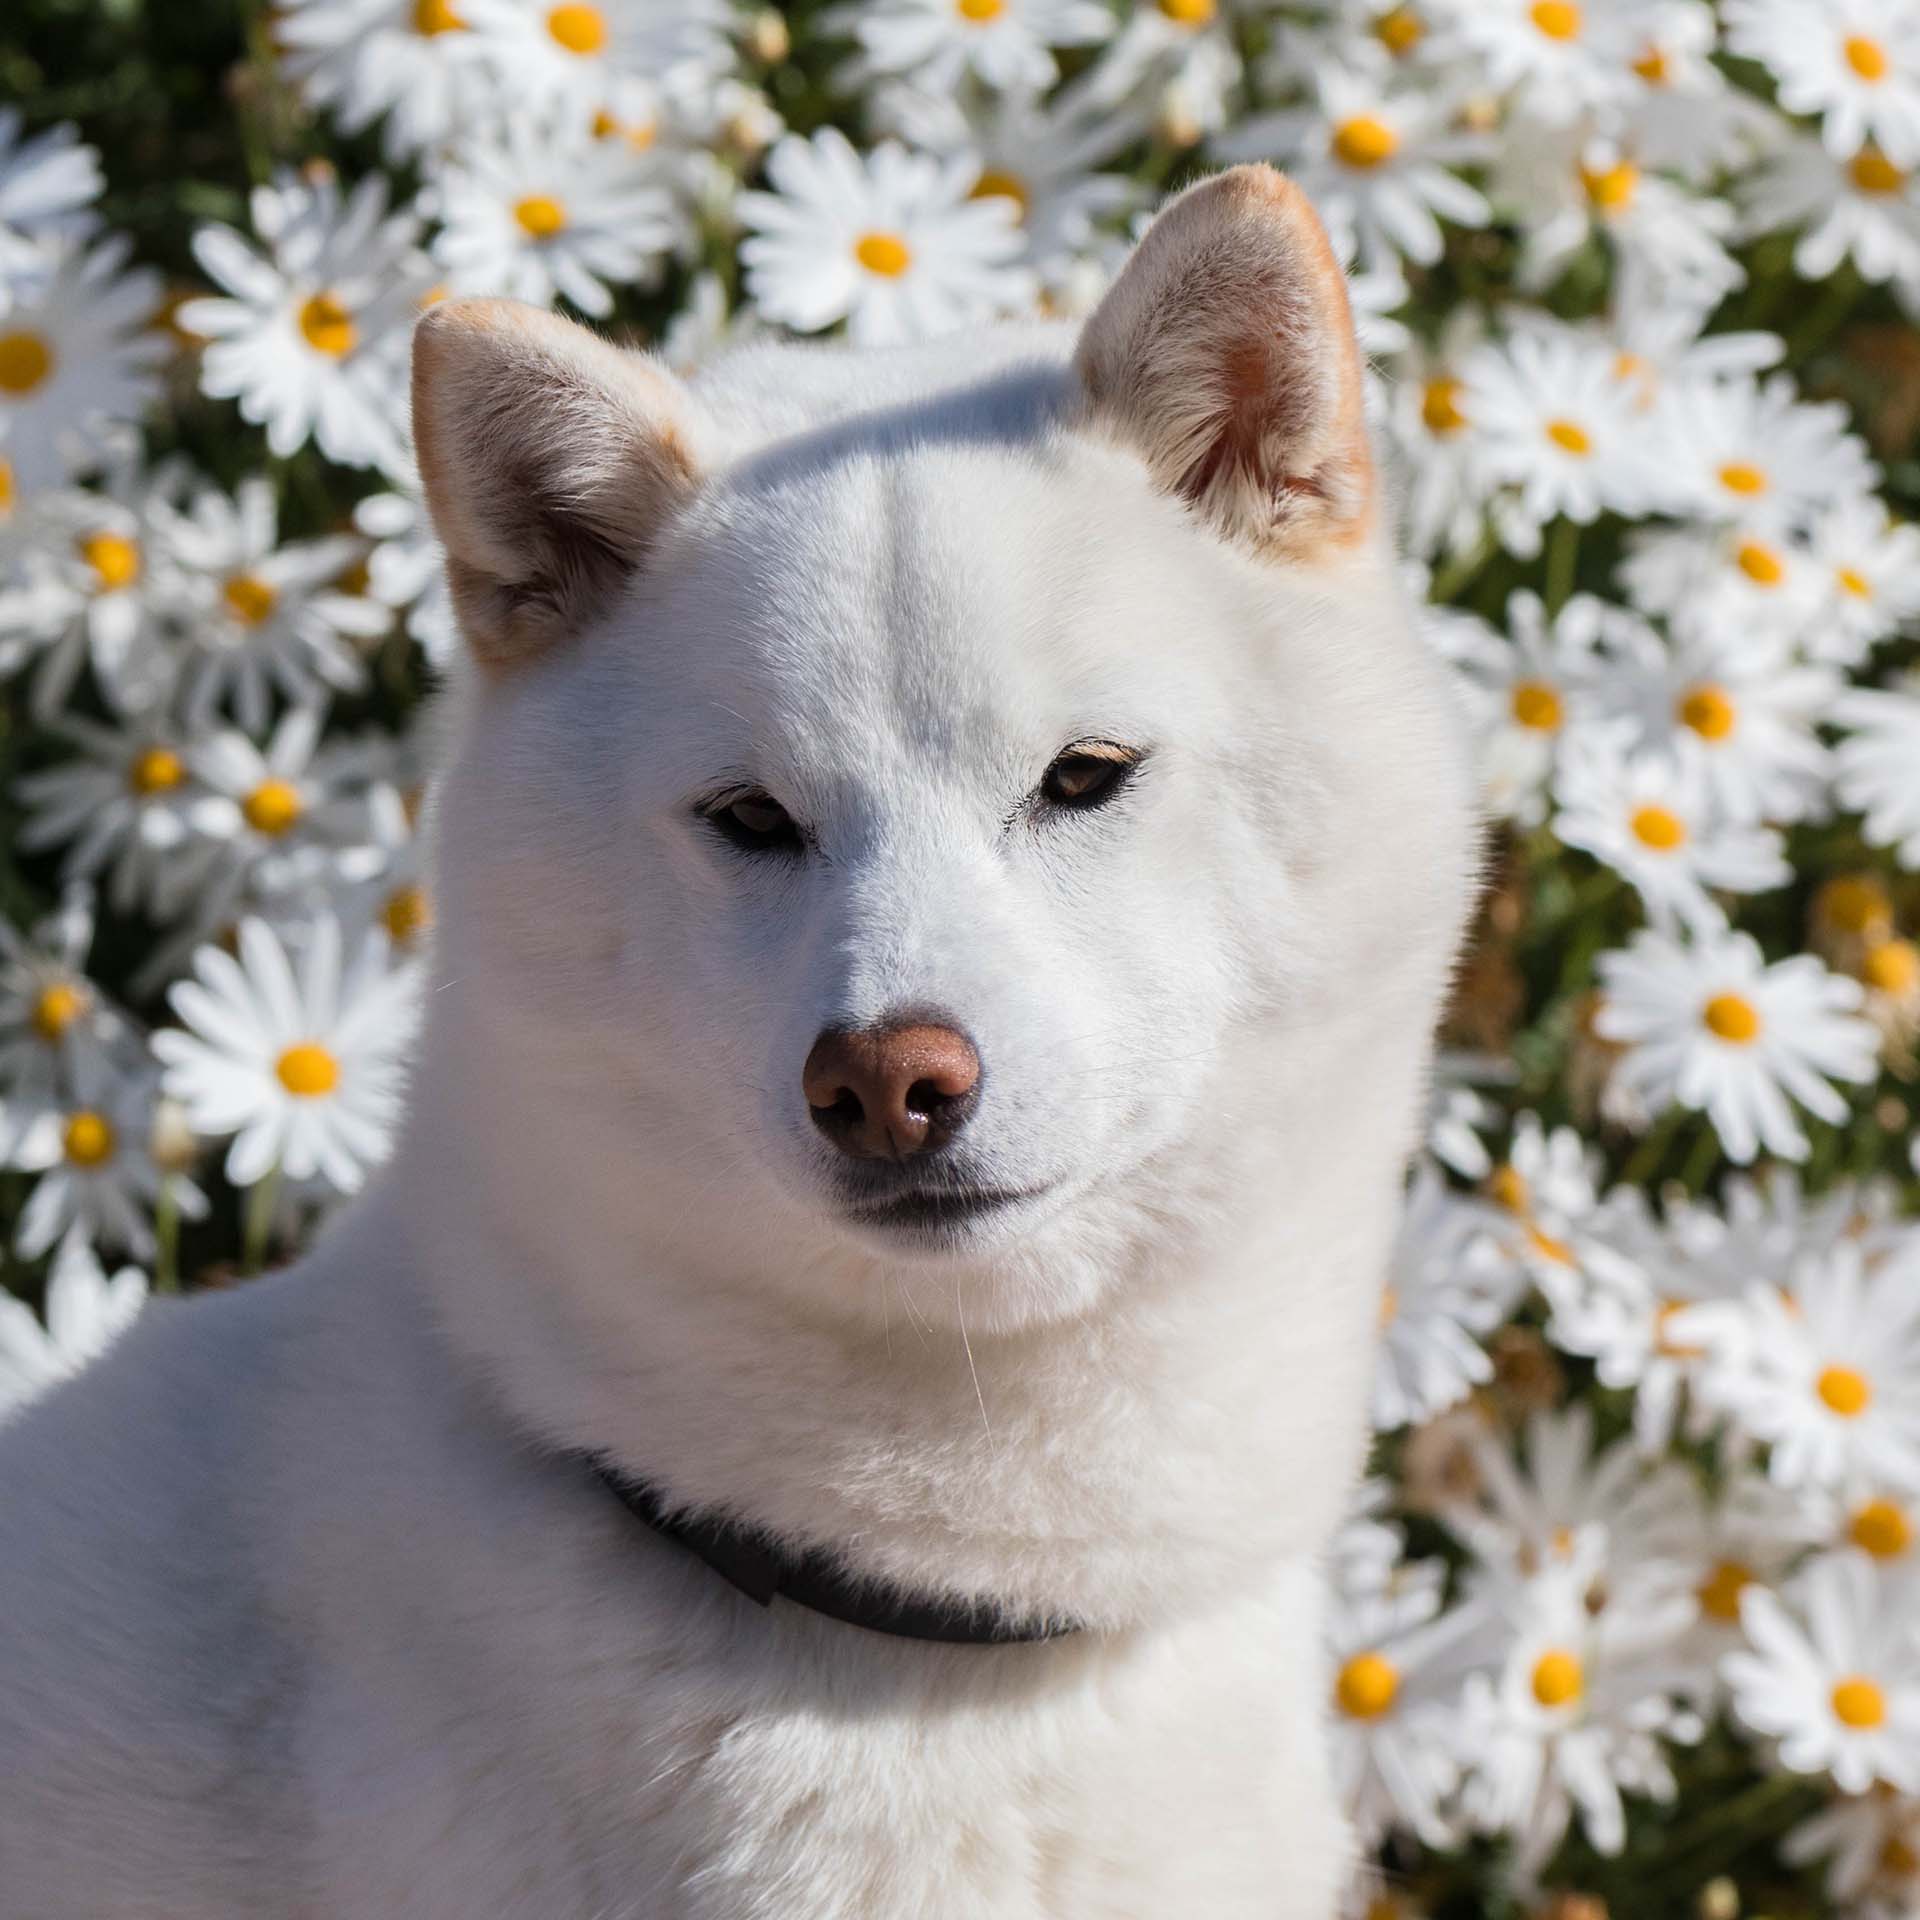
(1892, 968)
(328, 326)
(26, 359)
(1557, 19)
(249, 598)
(155, 770)
(1845, 1391)
(1708, 711)
(1853, 581)
(1190, 13)
(1536, 705)
(886, 254)
(1855, 903)
(1611, 189)
(1761, 564)
(1719, 1593)
(89, 1138)
(6, 487)
(1558, 1678)
(114, 558)
(1742, 477)
(1367, 1686)
(406, 914)
(1659, 828)
(1733, 1018)
(1389, 1305)
(1652, 66)
(580, 29)
(1868, 58)
(272, 807)
(1440, 407)
(1570, 437)
(997, 184)
(1364, 142)
(540, 216)
(1663, 1340)
(435, 16)
(1881, 1529)
(980, 11)
(56, 1009)
(1400, 31)
(1507, 1187)
(1548, 1248)
(1859, 1703)
(1872, 172)
(308, 1070)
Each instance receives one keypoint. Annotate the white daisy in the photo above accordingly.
(1553, 418)
(1739, 715)
(1718, 585)
(406, 570)
(1755, 452)
(1855, 63)
(1576, 1714)
(1182, 55)
(85, 1313)
(1651, 817)
(1871, 1844)
(1443, 504)
(1862, 208)
(55, 1023)
(414, 65)
(314, 338)
(1827, 1375)
(1399, 1658)
(1713, 1027)
(1870, 565)
(1877, 766)
(1376, 161)
(1006, 44)
(75, 364)
(893, 243)
(99, 1182)
(1833, 1675)
(1527, 694)
(48, 184)
(534, 210)
(121, 804)
(304, 1070)
(264, 615)
(1561, 58)
(1443, 1293)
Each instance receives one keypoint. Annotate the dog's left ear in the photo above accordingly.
(1224, 355)
(551, 460)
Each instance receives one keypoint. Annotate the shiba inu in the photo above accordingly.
(946, 865)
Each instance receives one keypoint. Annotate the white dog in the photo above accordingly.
(946, 870)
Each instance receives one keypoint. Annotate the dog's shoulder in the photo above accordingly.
(144, 1680)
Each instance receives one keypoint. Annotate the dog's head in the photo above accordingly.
(931, 808)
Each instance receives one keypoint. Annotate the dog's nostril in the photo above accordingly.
(890, 1091)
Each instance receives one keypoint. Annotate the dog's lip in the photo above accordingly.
(922, 1207)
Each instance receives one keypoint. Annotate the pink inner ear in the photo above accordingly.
(1236, 446)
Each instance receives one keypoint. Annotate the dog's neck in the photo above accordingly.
(1201, 1421)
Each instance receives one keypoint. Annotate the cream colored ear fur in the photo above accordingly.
(551, 460)
(1225, 356)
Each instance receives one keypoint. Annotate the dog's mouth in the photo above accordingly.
(939, 1212)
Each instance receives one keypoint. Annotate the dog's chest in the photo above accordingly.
(801, 1770)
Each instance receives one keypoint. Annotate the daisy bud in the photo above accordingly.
(767, 39)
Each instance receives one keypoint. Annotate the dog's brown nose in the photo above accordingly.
(882, 1093)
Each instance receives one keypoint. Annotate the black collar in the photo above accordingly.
(813, 1577)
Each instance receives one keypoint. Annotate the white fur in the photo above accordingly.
(301, 1613)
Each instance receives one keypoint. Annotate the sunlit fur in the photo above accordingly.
(303, 1609)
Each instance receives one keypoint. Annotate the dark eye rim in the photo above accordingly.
(719, 812)
(1115, 766)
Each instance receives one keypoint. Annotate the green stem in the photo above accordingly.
(1563, 554)
(259, 1225)
(1460, 569)
(166, 1234)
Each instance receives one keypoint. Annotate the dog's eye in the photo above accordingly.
(755, 822)
(1088, 775)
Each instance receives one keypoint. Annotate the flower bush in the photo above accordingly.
(1626, 1616)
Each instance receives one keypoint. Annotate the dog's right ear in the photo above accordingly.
(551, 460)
